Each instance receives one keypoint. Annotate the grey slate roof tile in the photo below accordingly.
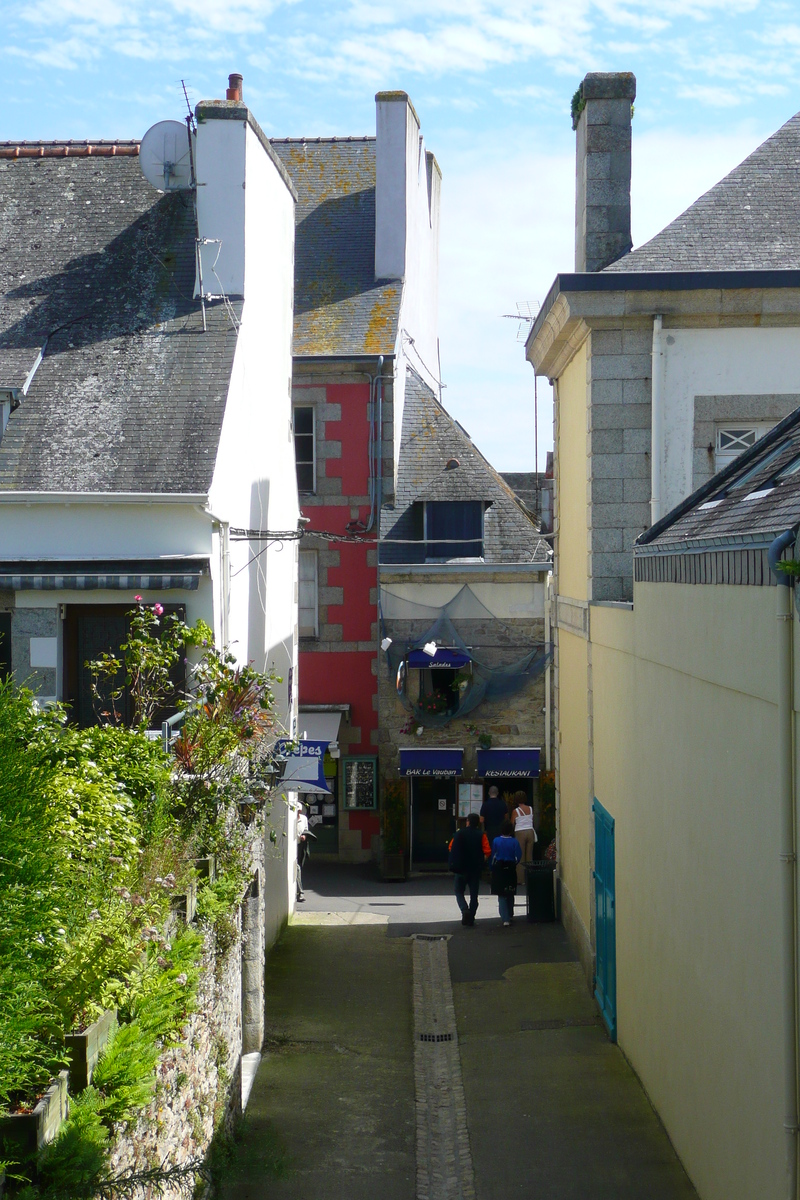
(131, 393)
(750, 220)
(730, 507)
(340, 309)
(430, 438)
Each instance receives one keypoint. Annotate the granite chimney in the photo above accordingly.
(601, 117)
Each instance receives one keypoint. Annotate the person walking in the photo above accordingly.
(302, 849)
(469, 850)
(506, 853)
(524, 832)
(493, 814)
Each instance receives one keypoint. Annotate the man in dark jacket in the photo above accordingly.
(469, 850)
(493, 813)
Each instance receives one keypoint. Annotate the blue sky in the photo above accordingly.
(492, 85)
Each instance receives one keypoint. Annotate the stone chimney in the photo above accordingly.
(602, 119)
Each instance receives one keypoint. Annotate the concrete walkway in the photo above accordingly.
(552, 1108)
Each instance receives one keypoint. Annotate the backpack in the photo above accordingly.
(456, 860)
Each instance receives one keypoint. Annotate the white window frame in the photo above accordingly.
(313, 445)
(754, 430)
(308, 629)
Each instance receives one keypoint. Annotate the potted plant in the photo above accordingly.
(393, 828)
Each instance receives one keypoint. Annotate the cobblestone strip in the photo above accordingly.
(444, 1160)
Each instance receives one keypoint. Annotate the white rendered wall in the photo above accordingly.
(220, 169)
(714, 362)
(254, 484)
(104, 530)
(407, 199)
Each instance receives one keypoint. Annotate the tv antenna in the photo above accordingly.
(165, 156)
(523, 316)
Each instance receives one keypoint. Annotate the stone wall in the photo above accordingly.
(198, 1082)
(619, 450)
(516, 720)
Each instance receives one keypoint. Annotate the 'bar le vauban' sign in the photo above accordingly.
(438, 763)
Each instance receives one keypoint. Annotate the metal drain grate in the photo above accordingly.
(436, 1037)
(432, 937)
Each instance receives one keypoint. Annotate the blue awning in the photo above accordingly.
(433, 764)
(442, 658)
(522, 763)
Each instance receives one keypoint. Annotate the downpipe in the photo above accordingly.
(656, 420)
(788, 854)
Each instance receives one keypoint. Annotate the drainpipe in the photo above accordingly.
(225, 574)
(376, 463)
(547, 635)
(656, 420)
(787, 853)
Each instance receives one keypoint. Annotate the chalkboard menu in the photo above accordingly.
(359, 782)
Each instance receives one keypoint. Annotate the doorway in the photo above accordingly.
(605, 983)
(433, 819)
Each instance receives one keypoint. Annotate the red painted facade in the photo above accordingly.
(340, 668)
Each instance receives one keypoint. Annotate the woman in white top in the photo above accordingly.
(523, 831)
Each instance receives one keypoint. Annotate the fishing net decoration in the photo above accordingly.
(488, 681)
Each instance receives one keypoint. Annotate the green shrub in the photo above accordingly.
(72, 1164)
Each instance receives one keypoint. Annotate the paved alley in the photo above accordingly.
(408, 1058)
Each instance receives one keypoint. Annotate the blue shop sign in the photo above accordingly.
(303, 771)
(442, 658)
(519, 763)
(431, 764)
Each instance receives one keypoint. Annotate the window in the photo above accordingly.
(454, 529)
(360, 782)
(308, 614)
(732, 440)
(303, 424)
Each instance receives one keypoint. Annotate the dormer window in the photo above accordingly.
(453, 529)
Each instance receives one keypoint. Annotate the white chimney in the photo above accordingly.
(240, 179)
(396, 175)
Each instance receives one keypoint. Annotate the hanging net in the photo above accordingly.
(464, 624)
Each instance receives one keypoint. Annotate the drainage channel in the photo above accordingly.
(444, 1160)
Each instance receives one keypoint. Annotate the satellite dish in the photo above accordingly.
(164, 156)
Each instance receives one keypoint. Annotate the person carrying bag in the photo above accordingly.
(469, 849)
(506, 853)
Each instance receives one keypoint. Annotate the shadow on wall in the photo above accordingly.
(257, 618)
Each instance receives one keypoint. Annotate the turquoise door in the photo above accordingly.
(605, 983)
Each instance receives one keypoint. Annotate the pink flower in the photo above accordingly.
(138, 599)
(158, 609)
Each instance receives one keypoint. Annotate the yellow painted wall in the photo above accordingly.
(571, 492)
(684, 735)
(574, 800)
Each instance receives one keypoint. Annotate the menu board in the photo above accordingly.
(470, 798)
(359, 782)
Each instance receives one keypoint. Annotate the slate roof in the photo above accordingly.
(430, 438)
(131, 393)
(748, 221)
(339, 307)
(751, 501)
